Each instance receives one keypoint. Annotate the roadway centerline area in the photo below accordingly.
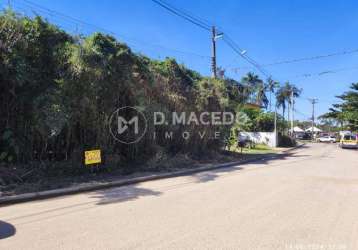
(306, 199)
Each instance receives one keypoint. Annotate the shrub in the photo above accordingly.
(286, 141)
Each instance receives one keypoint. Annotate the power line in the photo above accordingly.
(206, 25)
(313, 57)
(37, 7)
(242, 53)
(325, 72)
(67, 16)
(25, 8)
(303, 114)
(321, 100)
(189, 17)
(345, 52)
(200, 19)
(182, 14)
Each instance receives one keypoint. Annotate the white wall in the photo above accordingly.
(268, 138)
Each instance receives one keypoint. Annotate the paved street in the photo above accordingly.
(308, 200)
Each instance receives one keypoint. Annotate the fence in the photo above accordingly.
(268, 138)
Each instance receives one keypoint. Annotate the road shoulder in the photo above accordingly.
(86, 187)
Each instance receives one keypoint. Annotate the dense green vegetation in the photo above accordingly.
(57, 92)
(345, 114)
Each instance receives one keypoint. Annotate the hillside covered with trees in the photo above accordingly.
(57, 92)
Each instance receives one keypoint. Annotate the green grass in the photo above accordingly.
(258, 149)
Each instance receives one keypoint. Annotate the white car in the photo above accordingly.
(349, 141)
(327, 138)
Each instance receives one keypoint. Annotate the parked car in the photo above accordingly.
(303, 136)
(299, 135)
(326, 138)
(349, 141)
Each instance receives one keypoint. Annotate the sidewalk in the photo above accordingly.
(86, 187)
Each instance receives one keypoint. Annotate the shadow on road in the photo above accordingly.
(122, 194)
(6, 230)
(213, 174)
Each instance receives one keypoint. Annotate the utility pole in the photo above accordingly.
(213, 51)
(292, 110)
(313, 102)
(275, 126)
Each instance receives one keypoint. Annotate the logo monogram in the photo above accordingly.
(122, 128)
(127, 125)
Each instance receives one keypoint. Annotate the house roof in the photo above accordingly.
(297, 129)
(315, 129)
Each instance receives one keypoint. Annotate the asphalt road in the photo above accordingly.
(308, 200)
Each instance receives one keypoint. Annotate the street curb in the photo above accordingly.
(8, 200)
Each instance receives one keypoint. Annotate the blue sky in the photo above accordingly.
(269, 30)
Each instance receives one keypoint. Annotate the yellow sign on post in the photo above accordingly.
(92, 157)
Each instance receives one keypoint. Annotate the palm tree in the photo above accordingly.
(256, 89)
(291, 91)
(283, 96)
(261, 97)
(251, 81)
(271, 87)
(281, 100)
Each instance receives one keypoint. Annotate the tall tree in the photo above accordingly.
(281, 100)
(255, 88)
(261, 97)
(283, 97)
(347, 111)
(271, 88)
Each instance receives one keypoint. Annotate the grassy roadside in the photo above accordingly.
(258, 149)
(160, 165)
